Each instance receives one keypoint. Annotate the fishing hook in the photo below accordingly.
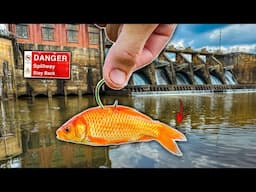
(97, 94)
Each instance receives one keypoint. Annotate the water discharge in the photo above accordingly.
(161, 78)
(215, 80)
(198, 80)
(230, 79)
(139, 79)
(181, 79)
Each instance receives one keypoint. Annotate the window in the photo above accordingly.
(93, 35)
(22, 30)
(72, 33)
(48, 32)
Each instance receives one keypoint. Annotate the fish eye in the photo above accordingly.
(67, 129)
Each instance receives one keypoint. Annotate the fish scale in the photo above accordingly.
(128, 125)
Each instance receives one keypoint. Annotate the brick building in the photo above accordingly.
(84, 41)
(72, 35)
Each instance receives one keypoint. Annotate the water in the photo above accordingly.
(198, 80)
(230, 79)
(181, 79)
(220, 128)
(161, 78)
(215, 80)
(139, 79)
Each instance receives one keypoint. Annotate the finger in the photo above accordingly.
(123, 55)
(112, 31)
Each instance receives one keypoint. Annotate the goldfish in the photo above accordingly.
(179, 114)
(116, 125)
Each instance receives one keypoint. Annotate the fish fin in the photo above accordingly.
(170, 145)
(146, 138)
(167, 137)
(97, 140)
(172, 133)
(132, 140)
(132, 112)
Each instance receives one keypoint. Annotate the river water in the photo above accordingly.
(220, 128)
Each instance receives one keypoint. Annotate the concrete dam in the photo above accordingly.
(195, 71)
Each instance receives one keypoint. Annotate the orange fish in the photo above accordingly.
(114, 125)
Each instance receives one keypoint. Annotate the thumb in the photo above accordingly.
(123, 56)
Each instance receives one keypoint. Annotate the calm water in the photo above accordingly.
(220, 128)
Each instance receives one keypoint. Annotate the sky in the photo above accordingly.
(227, 37)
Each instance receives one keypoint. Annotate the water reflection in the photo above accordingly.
(221, 132)
(36, 122)
(10, 140)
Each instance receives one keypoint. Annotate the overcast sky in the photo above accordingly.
(234, 37)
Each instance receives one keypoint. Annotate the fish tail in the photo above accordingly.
(167, 137)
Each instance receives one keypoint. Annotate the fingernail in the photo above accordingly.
(118, 77)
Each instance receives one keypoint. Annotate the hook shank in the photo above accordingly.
(97, 92)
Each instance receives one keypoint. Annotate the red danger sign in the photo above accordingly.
(47, 64)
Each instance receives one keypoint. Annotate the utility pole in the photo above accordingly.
(220, 41)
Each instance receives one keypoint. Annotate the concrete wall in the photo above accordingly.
(7, 68)
(245, 68)
(243, 65)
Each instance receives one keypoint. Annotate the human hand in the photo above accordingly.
(135, 46)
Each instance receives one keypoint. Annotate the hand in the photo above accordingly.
(135, 46)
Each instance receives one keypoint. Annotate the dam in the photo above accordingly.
(190, 71)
